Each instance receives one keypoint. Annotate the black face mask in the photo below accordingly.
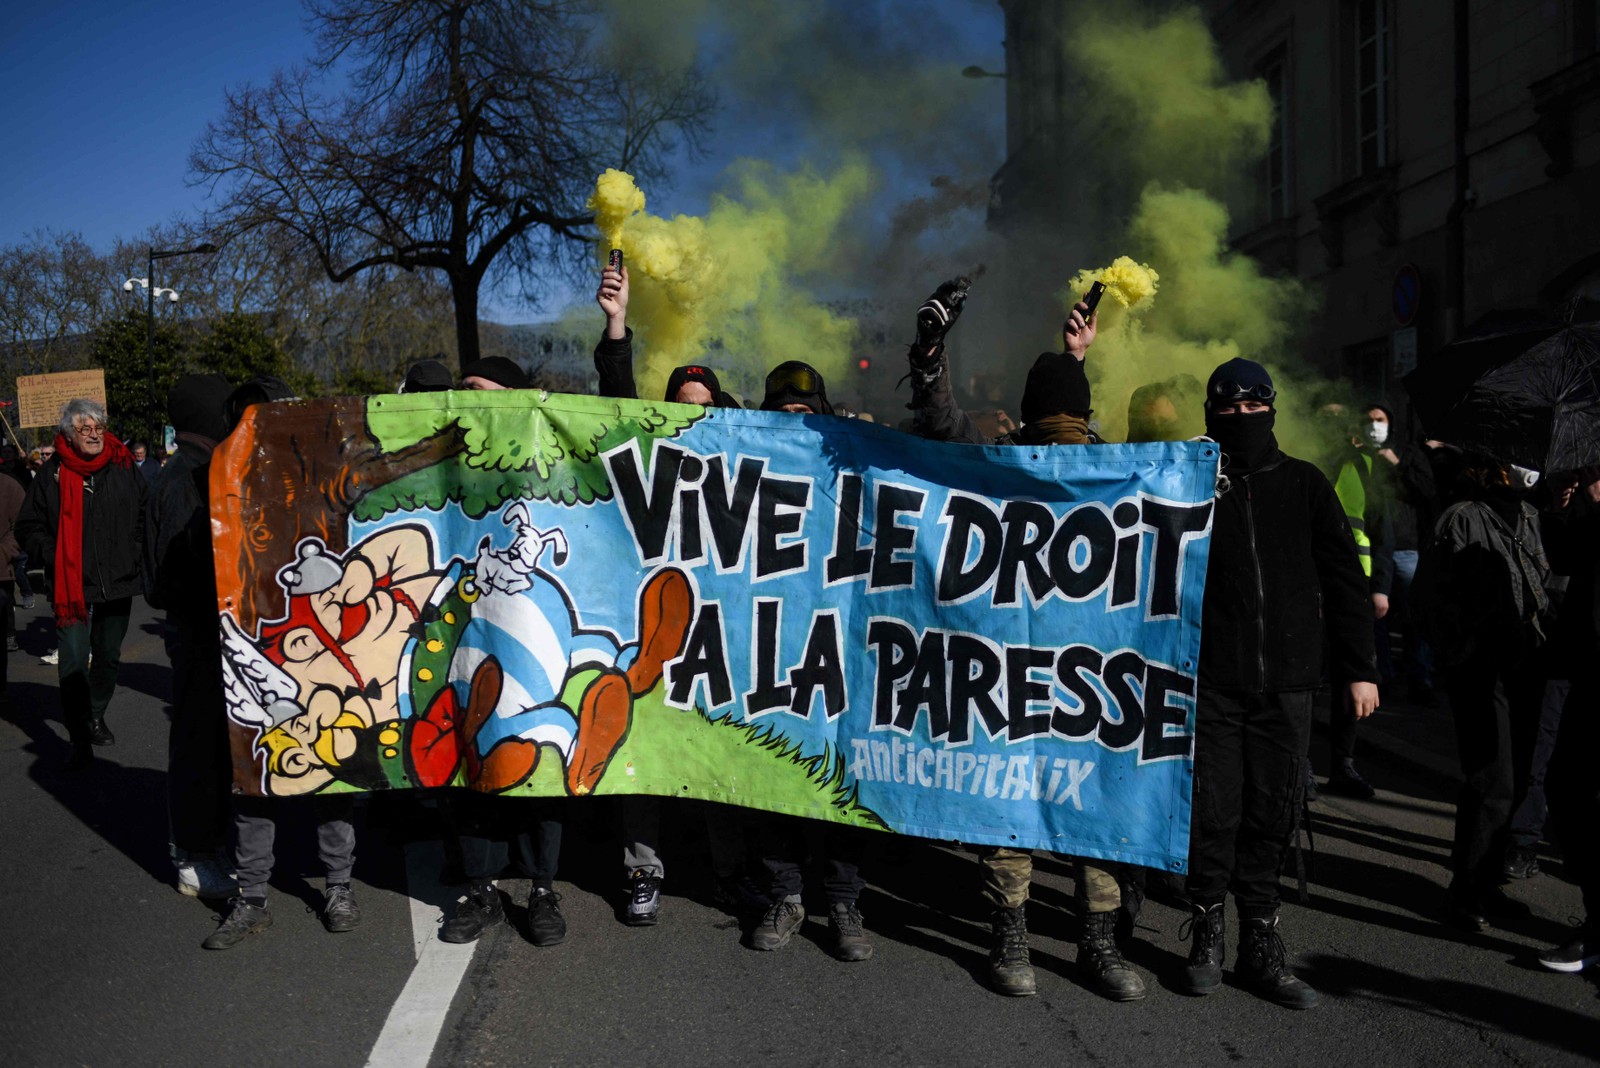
(1246, 438)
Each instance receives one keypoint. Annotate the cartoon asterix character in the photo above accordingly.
(508, 667)
(321, 684)
(494, 654)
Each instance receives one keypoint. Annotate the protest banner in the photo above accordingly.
(41, 397)
(547, 594)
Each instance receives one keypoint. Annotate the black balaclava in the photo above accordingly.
(197, 405)
(1246, 438)
(796, 382)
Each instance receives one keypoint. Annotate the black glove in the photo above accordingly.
(940, 311)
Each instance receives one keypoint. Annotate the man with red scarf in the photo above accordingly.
(83, 519)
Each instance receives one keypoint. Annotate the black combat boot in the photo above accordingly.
(1100, 961)
(1010, 971)
(1203, 974)
(1262, 966)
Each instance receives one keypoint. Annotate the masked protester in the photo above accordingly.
(83, 519)
(613, 355)
(796, 386)
(1283, 574)
(255, 819)
(180, 577)
(640, 815)
(1364, 487)
(1482, 586)
(1573, 536)
(1056, 406)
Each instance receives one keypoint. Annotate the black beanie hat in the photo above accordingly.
(262, 389)
(198, 404)
(1239, 379)
(498, 369)
(427, 376)
(1056, 385)
(694, 372)
(796, 382)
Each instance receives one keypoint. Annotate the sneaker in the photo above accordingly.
(242, 921)
(1263, 967)
(1574, 955)
(1346, 781)
(28, 604)
(476, 913)
(206, 878)
(100, 734)
(339, 910)
(644, 899)
(1521, 863)
(781, 920)
(1010, 966)
(53, 657)
(849, 940)
(12, 646)
(545, 922)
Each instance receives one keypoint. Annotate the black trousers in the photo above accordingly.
(1574, 791)
(496, 830)
(1249, 780)
(199, 765)
(1533, 804)
(1496, 712)
(783, 854)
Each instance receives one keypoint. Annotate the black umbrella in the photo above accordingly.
(1519, 388)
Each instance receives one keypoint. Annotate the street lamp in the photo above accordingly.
(152, 291)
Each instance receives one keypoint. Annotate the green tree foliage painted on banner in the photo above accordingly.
(554, 447)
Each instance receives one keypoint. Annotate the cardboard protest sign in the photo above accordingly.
(41, 397)
(533, 594)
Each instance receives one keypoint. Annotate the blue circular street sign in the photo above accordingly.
(1406, 295)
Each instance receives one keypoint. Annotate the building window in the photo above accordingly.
(1276, 167)
(1372, 84)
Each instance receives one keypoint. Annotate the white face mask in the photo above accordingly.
(1377, 433)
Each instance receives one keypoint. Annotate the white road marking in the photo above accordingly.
(418, 1015)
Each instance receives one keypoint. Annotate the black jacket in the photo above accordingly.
(113, 529)
(1283, 568)
(180, 569)
(613, 360)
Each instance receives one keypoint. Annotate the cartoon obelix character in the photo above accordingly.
(508, 667)
(321, 684)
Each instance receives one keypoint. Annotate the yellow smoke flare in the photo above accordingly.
(727, 288)
(1131, 283)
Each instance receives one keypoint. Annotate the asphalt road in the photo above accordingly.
(100, 960)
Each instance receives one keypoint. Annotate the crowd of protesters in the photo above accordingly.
(1490, 569)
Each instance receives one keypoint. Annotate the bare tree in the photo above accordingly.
(54, 289)
(466, 142)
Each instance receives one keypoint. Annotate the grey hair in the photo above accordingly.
(82, 406)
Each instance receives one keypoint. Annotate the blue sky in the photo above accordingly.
(104, 101)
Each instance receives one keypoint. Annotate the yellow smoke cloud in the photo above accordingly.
(1163, 93)
(728, 288)
(1214, 304)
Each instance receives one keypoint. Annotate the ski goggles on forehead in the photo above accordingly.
(794, 380)
(1226, 391)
